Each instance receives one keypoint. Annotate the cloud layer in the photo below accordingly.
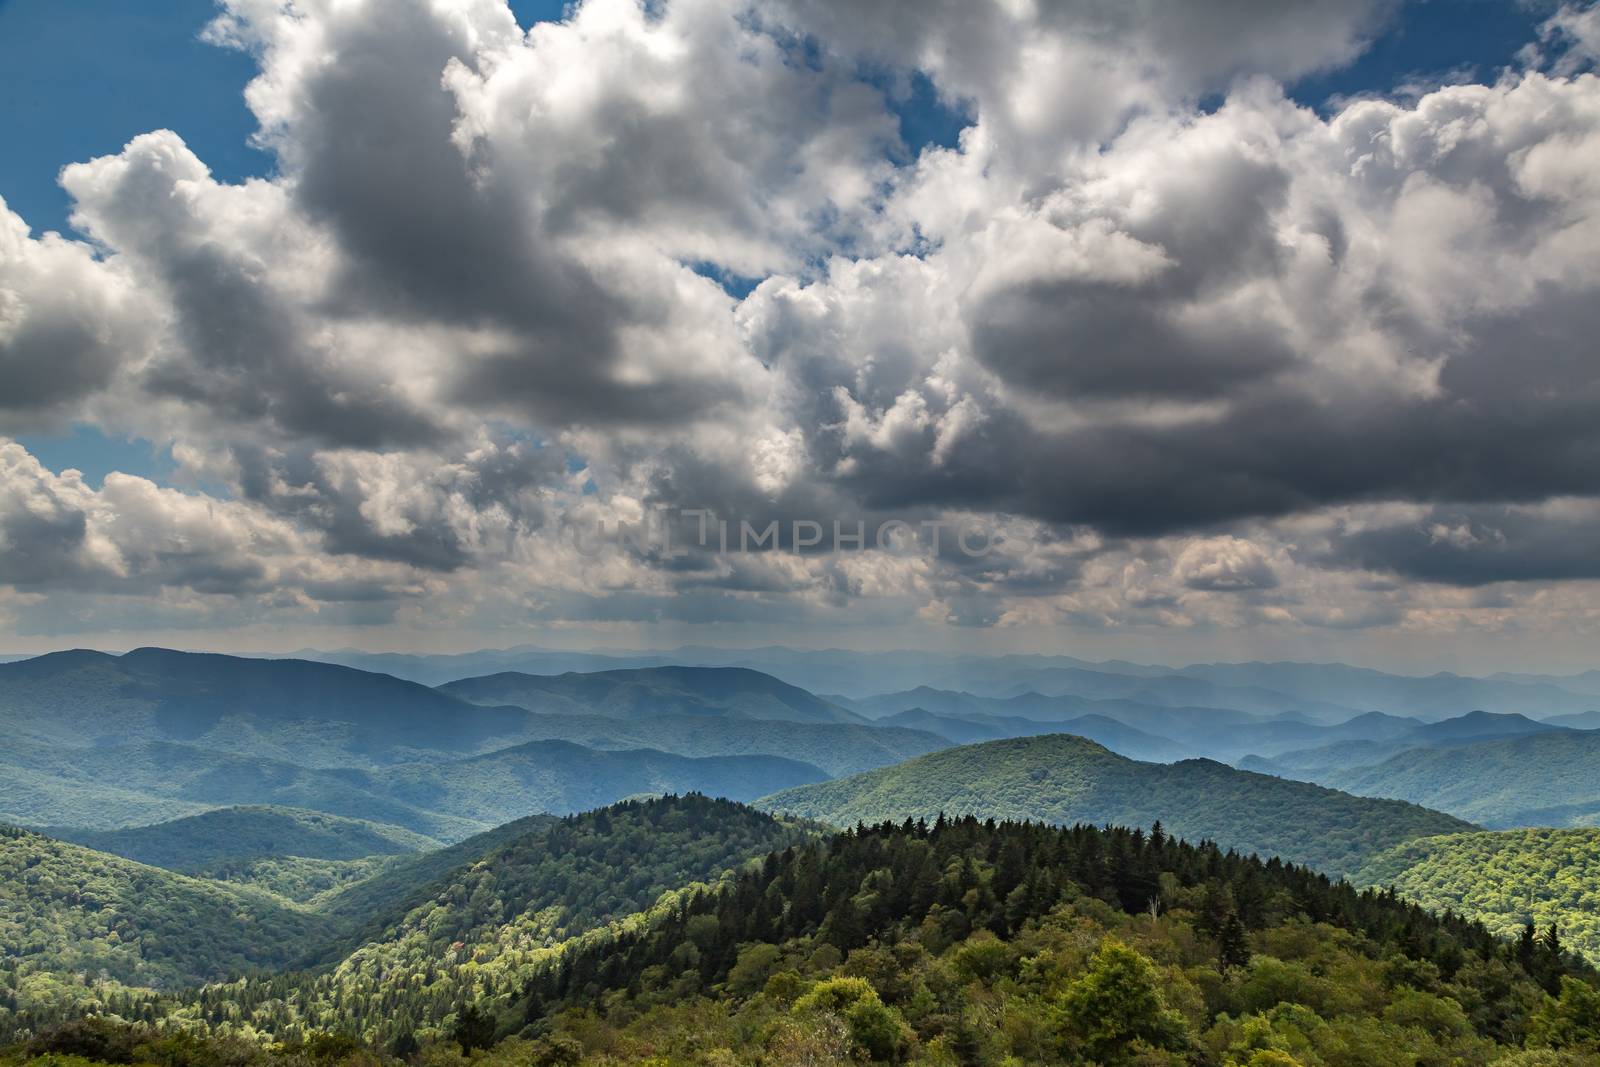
(1192, 356)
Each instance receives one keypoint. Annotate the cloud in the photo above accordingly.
(1184, 344)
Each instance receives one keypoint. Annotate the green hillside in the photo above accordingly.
(92, 788)
(1546, 779)
(421, 940)
(560, 777)
(1503, 879)
(965, 943)
(203, 843)
(1064, 779)
(445, 800)
(67, 909)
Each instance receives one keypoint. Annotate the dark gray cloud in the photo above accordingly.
(1476, 546)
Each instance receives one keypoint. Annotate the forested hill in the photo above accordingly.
(66, 909)
(1505, 879)
(971, 943)
(400, 953)
(1063, 779)
(1546, 779)
(203, 842)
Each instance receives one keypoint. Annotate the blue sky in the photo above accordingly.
(82, 77)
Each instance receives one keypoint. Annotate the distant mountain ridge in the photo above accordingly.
(1540, 779)
(860, 675)
(647, 692)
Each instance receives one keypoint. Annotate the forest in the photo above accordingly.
(955, 941)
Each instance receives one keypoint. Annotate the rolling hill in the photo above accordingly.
(1503, 879)
(446, 801)
(1545, 779)
(837, 748)
(561, 777)
(1064, 779)
(310, 714)
(1119, 737)
(69, 909)
(199, 843)
(647, 692)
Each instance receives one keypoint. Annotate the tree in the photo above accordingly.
(1116, 1003)
(474, 1029)
(1233, 943)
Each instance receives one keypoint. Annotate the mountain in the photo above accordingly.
(156, 774)
(1064, 779)
(1585, 682)
(1587, 720)
(1310, 763)
(311, 714)
(1546, 779)
(1436, 696)
(1171, 733)
(837, 748)
(1338, 690)
(227, 835)
(446, 801)
(949, 944)
(961, 731)
(1179, 690)
(1375, 737)
(893, 943)
(405, 950)
(1503, 879)
(1120, 738)
(560, 777)
(1478, 726)
(68, 909)
(721, 692)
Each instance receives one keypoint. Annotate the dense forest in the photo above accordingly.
(1505, 878)
(1064, 779)
(401, 951)
(943, 943)
(69, 910)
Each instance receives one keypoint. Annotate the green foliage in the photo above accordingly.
(1504, 879)
(67, 909)
(1064, 779)
(1014, 943)
(197, 732)
(959, 943)
(211, 841)
(445, 800)
(1489, 781)
(409, 948)
(1116, 1006)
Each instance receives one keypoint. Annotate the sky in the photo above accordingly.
(1235, 331)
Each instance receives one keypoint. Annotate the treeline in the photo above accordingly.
(406, 966)
(937, 944)
(1175, 949)
(1505, 878)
